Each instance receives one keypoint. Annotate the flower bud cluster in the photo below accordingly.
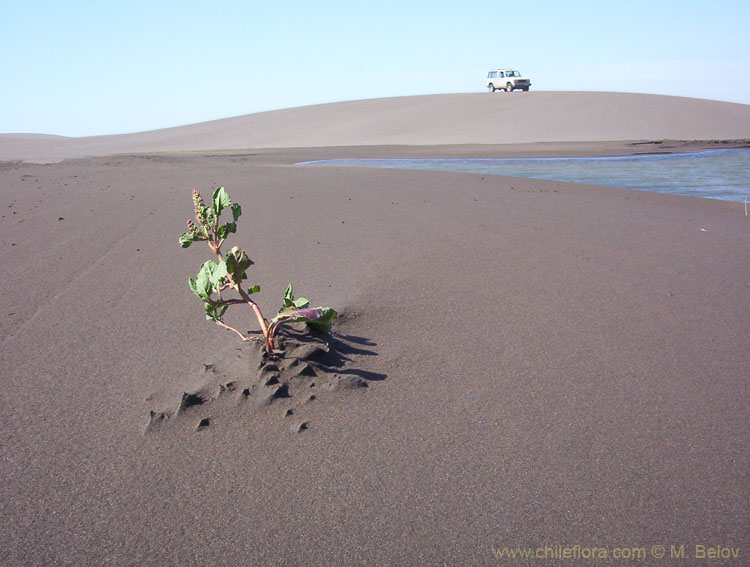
(200, 208)
(193, 229)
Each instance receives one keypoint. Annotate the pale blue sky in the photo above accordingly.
(83, 68)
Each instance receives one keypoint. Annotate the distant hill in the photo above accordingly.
(480, 118)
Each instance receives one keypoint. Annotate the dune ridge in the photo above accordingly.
(477, 118)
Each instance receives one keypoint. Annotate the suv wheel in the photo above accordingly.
(491, 88)
(508, 87)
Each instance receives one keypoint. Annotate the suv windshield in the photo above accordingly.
(513, 74)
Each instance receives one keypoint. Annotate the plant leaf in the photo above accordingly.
(226, 229)
(194, 287)
(214, 313)
(209, 214)
(237, 264)
(284, 313)
(220, 200)
(202, 287)
(236, 212)
(318, 317)
(219, 274)
(323, 322)
(187, 238)
(288, 299)
(254, 289)
(208, 279)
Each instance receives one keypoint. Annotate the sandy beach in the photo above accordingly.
(546, 364)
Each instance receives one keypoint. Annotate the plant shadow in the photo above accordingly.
(342, 351)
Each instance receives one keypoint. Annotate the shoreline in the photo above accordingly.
(297, 155)
(533, 149)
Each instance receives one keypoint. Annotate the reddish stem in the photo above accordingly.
(216, 248)
(228, 328)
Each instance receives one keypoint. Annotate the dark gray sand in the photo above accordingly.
(547, 364)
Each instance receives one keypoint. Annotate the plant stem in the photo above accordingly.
(223, 302)
(215, 245)
(228, 328)
(258, 314)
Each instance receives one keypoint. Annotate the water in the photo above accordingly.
(713, 174)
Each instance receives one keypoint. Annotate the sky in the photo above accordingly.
(76, 68)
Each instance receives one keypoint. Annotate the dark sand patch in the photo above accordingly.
(246, 377)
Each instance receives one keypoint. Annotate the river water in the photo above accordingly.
(713, 174)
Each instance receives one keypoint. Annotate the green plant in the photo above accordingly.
(216, 278)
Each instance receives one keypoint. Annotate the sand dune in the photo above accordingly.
(479, 118)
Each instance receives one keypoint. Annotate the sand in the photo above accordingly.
(546, 363)
(459, 119)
